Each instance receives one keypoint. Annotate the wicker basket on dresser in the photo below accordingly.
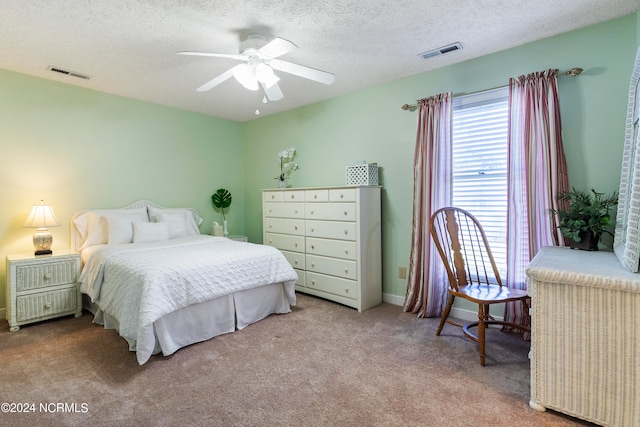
(42, 287)
(331, 236)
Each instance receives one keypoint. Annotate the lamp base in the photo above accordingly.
(42, 241)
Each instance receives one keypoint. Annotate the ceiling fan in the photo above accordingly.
(259, 59)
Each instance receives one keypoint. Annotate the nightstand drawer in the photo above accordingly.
(45, 304)
(37, 276)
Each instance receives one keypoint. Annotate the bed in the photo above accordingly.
(149, 274)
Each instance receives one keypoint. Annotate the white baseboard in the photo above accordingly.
(458, 313)
(393, 299)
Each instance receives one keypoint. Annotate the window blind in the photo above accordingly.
(480, 127)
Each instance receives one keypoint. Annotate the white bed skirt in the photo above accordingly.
(200, 322)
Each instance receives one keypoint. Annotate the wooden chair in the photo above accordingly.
(472, 272)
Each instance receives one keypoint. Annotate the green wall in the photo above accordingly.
(108, 151)
(370, 125)
(77, 148)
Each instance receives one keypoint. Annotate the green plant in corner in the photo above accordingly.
(587, 214)
(221, 199)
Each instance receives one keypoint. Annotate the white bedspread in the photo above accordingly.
(139, 283)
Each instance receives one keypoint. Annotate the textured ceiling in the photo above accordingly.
(128, 47)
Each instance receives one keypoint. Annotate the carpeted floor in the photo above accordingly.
(321, 365)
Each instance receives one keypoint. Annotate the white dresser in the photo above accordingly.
(331, 236)
(42, 287)
(585, 340)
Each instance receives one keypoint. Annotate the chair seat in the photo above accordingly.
(489, 294)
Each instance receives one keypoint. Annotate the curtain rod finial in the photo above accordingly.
(574, 72)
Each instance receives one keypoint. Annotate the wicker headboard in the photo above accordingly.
(77, 239)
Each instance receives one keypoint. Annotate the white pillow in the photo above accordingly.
(146, 232)
(120, 229)
(193, 221)
(177, 222)
(94, 228)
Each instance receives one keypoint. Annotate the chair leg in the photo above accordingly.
(445, 313)
(482, 316)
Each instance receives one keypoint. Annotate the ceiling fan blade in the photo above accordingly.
(273, 92)
(216, 55)
(303, 71)
(216, 81)
(277, 47)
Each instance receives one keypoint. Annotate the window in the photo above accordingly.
(480, 127)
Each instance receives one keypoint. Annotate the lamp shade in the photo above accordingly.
(41, 216)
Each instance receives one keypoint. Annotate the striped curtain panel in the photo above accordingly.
(537, 174)
(432, 170)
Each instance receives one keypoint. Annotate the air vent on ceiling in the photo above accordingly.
(68, 73)
(441, 50)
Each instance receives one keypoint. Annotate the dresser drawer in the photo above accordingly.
(272, 196)
(332, 266)
(285, 242)
(284, 226)
(36, 276)
(44, 304)
(332, 248)
(316, 196)
(301, 277)
(293, 196)
(333, 285)
(296, 259)
(331, 211)
(284, 210)
(331, 229)
(342, 195)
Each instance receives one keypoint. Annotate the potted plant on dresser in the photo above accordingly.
(586, 218)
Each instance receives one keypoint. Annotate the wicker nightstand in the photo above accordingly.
(42, 287)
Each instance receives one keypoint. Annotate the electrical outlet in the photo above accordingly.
(402, 272)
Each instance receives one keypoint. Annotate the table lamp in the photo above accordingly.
(42, 217)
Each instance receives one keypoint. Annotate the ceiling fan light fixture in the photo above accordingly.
(243, 73)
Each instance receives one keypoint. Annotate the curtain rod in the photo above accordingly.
(576, 71)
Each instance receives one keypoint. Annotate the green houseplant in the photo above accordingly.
(586, 218)
(221, 199)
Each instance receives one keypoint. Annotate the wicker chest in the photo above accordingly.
(42, 287)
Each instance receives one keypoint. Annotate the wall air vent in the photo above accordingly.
(441, 50)
(68, 73)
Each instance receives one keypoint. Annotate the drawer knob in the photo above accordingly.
(47, 304)
(270, 225)
(341, 196)
(346, 271)
(295, 245)
(296, 211)
(47, 275)
(273, 196)
(315, 196)
(313, 264)
(312, 230)
(346, 290)
(346, 232)
(313, 282)
(295, 227)
(313, 247)
(292, 196)
(346, 251)
(295, 262)
(311, 212)
(270, 241)
(345, 212)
